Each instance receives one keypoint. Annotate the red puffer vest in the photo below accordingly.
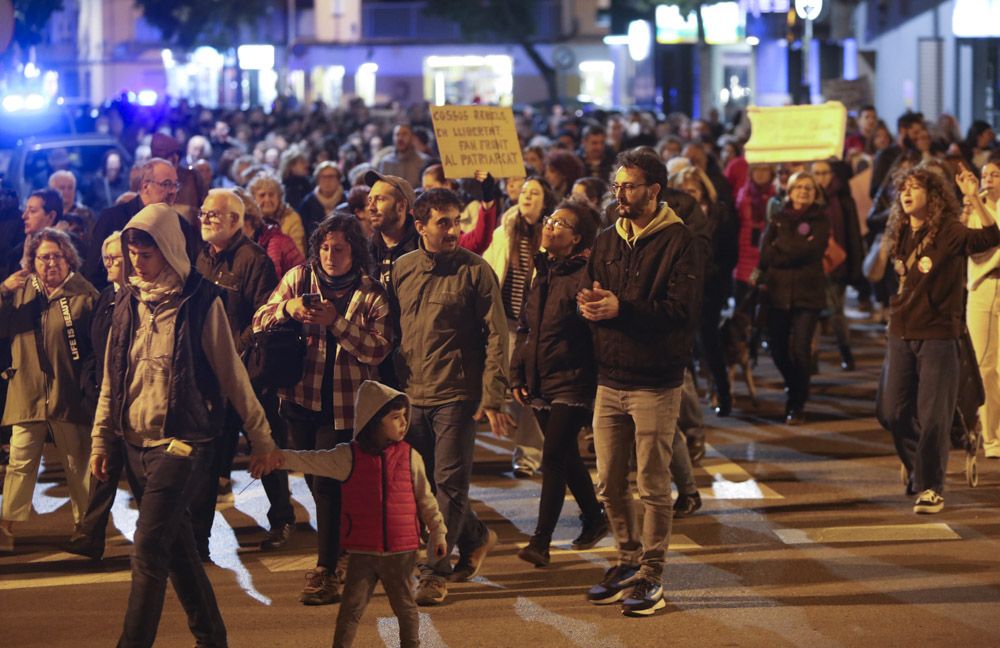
(379, 510)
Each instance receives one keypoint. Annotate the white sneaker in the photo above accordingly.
(929, 502)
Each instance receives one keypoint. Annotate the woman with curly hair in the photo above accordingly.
(928, 248)
(562, 169)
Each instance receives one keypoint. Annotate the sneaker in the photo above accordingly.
(523, 472)
(686, 505)
(322, 588)
(645, 598)
(431, 589)
(929, 502)
(469, 566)
(535, 552)
(591, 534)
(614, 586)
(277, 537)
(6, 540)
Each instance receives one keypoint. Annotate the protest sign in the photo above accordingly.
(477, 138)
(796, 133)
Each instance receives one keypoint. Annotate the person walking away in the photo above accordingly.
(386, 495)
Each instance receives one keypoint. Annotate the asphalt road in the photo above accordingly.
(805, 539)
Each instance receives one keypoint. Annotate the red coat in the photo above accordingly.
(280, 248)
(751, 205)
(379, 510)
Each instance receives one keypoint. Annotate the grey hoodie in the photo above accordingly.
(148, 379)
(338, 462)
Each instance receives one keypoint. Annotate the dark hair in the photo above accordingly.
(439, 199)
(51, 201)
(942, 203)
(588, 221)
(595, 188)
(366, 436)
(550, 200)
(594, 129)
(357, 197)
(908, 119)
(138, 238)
(361, 256)
(58, 237)
(975, 130)
(865, 108)
(566, 164)
(423, 134)
(653, 169)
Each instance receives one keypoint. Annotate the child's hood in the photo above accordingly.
(372, 396)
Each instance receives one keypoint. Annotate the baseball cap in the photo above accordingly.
(400, 184)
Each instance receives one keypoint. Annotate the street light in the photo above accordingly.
(807, 10)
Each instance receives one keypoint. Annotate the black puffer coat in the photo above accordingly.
(554, 353)
(791, 258)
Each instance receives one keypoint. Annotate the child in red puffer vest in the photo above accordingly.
(385, 495)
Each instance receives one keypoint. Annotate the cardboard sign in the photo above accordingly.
(796, 133)
(477, 138)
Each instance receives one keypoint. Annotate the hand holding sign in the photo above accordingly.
(477, 138)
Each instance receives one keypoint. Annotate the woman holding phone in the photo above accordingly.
(345, 318)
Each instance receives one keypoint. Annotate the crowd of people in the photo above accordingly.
(392, 308)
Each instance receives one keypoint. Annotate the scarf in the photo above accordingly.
(329, 204)
(168, 284)
(347, 281)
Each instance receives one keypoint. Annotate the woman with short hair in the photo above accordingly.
(269, 195)
(46, 309)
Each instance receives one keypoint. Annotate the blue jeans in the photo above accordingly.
(639, 422)
(916, 400)
(445, 437)
(165, 486)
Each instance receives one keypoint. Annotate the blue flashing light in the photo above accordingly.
(13, 102)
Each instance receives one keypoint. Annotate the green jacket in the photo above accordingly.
(64, 392)
(453, 330)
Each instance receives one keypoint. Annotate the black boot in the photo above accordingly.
(594, 530)
(846, 358)
(537, 551)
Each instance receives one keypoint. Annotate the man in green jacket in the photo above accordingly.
(452, 363)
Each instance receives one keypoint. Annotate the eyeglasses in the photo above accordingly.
(627, 187)
(167, 185)
(50, 258)
(212, 216)
(111, 260)
(556, 223)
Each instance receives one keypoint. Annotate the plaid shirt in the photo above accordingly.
(364, 339)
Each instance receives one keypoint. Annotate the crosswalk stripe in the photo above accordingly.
(577, 631)
(388, 630)
(873, 533)
(73, 579)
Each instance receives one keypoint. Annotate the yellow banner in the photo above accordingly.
(477, 138)
(796, 133)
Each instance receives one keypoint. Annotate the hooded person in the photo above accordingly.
(169, 367)
(386, 494)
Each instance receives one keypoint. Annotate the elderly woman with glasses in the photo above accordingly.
(45, 309)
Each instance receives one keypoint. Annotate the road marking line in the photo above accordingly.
(580, 633)
(289, 563)
(59, 581)
(388, 630)
(876, 533)
(678, 542)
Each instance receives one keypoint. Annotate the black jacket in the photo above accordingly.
(791, 257)
(100, 328)
(931, 305)
(246, 276)
(658, 285)
(384, 257)
(554, 354)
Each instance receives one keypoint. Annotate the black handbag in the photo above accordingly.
(276, 357)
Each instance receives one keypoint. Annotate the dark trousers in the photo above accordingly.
(309, 430)
(916, 401)
(102, 497)
(791, 334)
(165, 486)
(395, 570)
(280, 510)
(713, 301)
(445, 437)
(562, 466)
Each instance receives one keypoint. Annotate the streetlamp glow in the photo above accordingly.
(640, 40)
(808, 9)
